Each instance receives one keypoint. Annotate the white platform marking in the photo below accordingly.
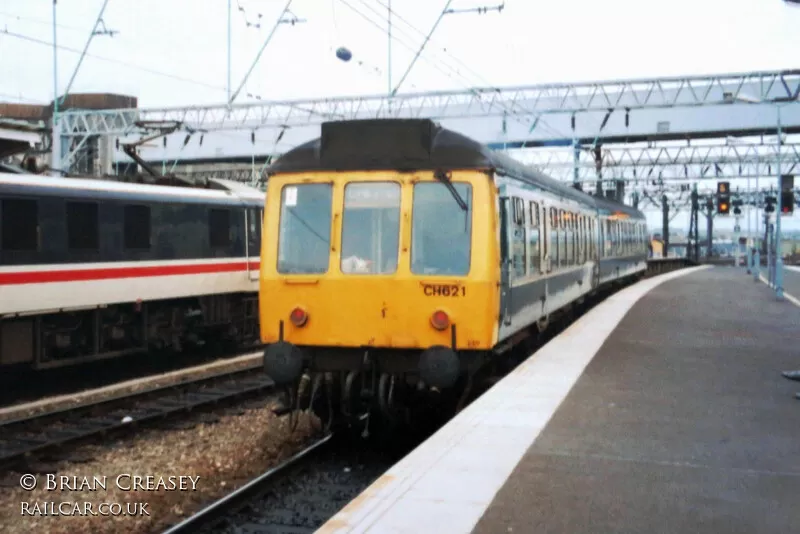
(446, 484)
(786, 295)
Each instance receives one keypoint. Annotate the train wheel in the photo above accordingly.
(325, 400)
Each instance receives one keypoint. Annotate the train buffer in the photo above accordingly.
(663, 409)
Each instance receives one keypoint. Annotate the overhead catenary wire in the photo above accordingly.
(49, 44)
(464, 81)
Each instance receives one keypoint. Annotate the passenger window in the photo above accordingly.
(554, 234)
(304, 235)
(441, 230)
(219, 228)
(136, 227)
(371, 227)
(83, 232)
(562, 240)
(570, 237)
(534, 238)
(20, 224)
(254, 217)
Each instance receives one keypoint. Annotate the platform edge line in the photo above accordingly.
(786, 295)
(371, 504)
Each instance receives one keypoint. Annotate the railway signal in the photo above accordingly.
(737, 206)
(723, 198)
(787, 194)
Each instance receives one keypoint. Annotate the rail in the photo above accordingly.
(218, 510)
(41, 432)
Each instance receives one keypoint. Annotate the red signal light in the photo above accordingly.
(440, 320)
(298, 317)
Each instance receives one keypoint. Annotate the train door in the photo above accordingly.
(506, 263)
(254, 221)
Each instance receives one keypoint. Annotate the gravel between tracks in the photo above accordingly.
(225, 455)
(130, 386)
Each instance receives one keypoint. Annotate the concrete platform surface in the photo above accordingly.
(680, 423)
(791, 281)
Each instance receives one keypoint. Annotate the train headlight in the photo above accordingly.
(440, 320)
(298, 317)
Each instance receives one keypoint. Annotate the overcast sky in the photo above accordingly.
(174, 52)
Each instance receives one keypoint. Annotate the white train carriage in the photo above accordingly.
(93, 269)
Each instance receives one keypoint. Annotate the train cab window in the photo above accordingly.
(534, 238)
(83, 231)
(20, 224)
(371, 228)
(136, 227)
(219, 228)
(441, 230)
(304, 236)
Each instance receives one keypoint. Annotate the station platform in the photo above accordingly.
(661, 410)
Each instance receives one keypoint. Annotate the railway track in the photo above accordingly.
(299, 495)
(27, 437)
(19, 386)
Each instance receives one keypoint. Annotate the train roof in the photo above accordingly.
(409, 145)
(218, 191)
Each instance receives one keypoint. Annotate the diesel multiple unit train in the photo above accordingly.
(93, 269)
(400, 257)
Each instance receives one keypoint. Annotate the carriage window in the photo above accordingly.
(304, 239)
(20, 224)
(83, 232)
(219, 228)
(254, 221)
(371, 228)
(562, 239)
(534, 237)
(136, 227)
(570, 220)
(554, 230)
(440, 230)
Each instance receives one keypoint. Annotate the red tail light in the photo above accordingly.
(440, 320)
(298, 317)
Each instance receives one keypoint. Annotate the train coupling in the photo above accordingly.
(439, 366)
(283, 362)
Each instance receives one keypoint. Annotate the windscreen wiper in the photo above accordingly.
(444, 177)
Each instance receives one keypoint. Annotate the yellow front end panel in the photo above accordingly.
(383, 310)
